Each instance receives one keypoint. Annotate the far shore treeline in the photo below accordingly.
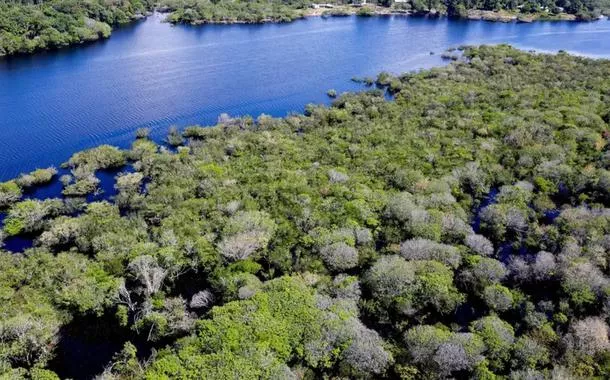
(461, 230)
(29, 26)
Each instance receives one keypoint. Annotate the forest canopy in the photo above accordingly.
(28, 26)
(459, 230)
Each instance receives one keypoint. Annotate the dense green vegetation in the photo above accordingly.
(582, 9)
(28, 26)
(460, 230)
(228, 11)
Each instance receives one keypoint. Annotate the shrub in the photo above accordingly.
(62, 231)
(462, 352)
(399, 206)
(142, 133)
(174, 137)
(335, 176)
(389, 277)
(473, 179)
(422, 342)
(528, 353)
(365, 352)
(544, 267)
(455, 228)
(149, 274)
(346, 287)
(483, 271)
(83, 186)
(583, 283)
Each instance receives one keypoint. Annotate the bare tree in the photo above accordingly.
(148, 272)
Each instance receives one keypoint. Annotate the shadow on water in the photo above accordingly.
(88, 344)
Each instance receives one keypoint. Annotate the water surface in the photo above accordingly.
(152, 74)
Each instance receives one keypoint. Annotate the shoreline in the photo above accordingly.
(337, 11)
(375, 10)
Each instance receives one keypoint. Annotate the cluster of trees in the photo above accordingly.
(27, 26)
(462, 230)
(258, 11)
(228, 11)
(582, 9)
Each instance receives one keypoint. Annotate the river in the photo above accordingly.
(152, 74)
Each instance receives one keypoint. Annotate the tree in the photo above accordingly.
(423, 249)
(148, 272)
(245, 233)
(339, 256)
(10, 193)
(589, 336)
(498, 336)
(480, 245)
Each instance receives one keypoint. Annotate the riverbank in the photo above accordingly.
(506, 16)
(55, 24)
(331, 10)
(134, 78)
(86, 26)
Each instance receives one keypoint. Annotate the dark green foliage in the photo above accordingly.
(27, 26)
(224, 11)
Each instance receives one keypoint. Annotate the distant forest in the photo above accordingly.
(29, 26)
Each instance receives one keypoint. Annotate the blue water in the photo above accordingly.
(152, 74)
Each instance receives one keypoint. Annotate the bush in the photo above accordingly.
(409, 287)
